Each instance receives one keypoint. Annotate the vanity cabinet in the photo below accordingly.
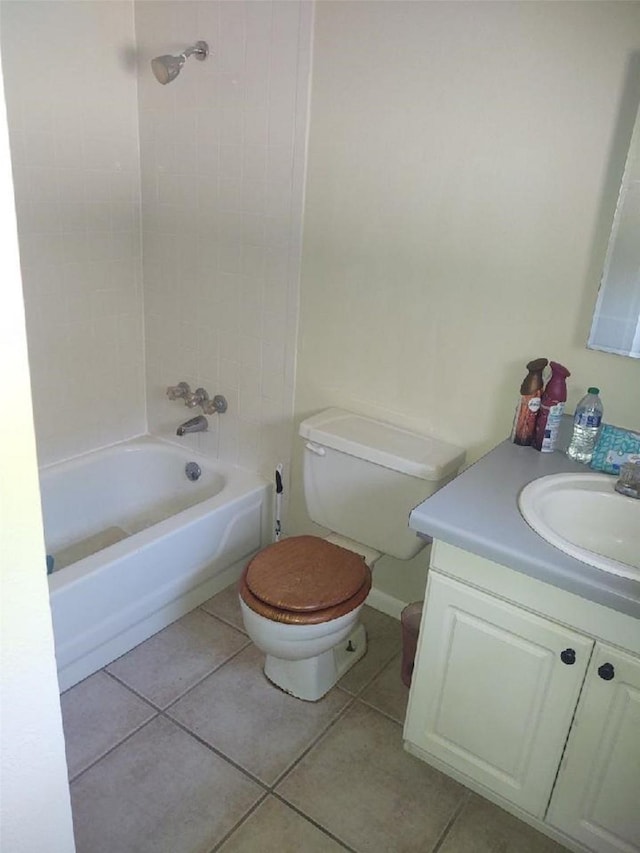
(596, 799)
(496, 687)
(536, 713)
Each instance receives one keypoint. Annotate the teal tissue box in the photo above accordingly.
(615, 447)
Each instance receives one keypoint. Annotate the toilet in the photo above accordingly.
(301, 597)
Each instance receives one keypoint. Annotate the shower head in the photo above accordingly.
(166, 68)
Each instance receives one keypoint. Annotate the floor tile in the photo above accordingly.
(387, 693)
(169, 663)
(159, 792)
(276, 828)
(226, 606)
(383, 642)
(361, 785)
(97, 714)
(256, 724)
(482, 827)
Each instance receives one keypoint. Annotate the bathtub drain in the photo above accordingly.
(193, 471)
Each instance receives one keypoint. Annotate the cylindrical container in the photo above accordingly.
(410, 621)
(586, 427)
(552, 405)
(524, 423)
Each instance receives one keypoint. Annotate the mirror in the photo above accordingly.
(616, 318)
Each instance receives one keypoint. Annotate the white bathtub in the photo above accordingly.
(166, 544)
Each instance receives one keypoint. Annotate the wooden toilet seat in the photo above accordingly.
(305, 580)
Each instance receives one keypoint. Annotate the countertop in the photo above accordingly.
(478, 511)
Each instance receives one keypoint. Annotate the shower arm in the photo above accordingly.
(200, 50)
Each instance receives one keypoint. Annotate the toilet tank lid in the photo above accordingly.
(383, 444)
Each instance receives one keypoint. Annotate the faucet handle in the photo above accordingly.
(217, 406)
(176, 392)
(199, 398)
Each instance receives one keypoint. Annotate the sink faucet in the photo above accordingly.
(197, 424)
(629, 482)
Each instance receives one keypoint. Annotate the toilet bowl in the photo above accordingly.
(300, 600)
(301, 597)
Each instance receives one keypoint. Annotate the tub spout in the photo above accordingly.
(197, 424)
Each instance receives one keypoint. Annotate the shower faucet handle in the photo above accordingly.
(179, 391)
(217, 406)
(198, 398)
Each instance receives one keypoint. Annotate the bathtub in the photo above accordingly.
(135, 544)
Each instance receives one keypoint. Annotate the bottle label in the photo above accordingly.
(524, 423)
(588, 419)
(551, 427)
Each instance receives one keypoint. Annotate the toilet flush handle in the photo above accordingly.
(315, 448)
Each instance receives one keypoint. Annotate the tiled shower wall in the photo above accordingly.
(71, 93)
(220, 156)
(222, 153)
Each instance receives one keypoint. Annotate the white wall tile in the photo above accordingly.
(74, 130)
(190, 184)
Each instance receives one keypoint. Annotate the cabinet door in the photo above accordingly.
(494, 691)
(597, 796)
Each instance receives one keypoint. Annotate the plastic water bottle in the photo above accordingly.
(586, 426)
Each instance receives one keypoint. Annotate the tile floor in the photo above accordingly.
(182, 746)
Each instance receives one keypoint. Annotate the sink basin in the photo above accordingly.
(582, 515)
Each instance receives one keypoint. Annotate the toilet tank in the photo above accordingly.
(363, 477)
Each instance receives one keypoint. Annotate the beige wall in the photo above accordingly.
(222, 152)
(463, 167)
(70, 82)
(35, 811)
(462, 175)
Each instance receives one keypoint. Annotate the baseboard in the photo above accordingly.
(385, 603)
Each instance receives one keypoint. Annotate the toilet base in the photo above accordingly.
(311, 678)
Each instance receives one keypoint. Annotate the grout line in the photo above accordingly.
(380, 711)
(351, 700)
(222, 619)
(245, 817)
(314, 822)
(341, 713)
(113, 748)
(456, 814)
(204, 677)
(173, 702)
(378, 672)
(269, 787)
(355, 694)
(264, 785)
(156, 708)
(164, 712)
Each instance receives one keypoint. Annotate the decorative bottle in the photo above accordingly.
(552, 406)
(524, 423)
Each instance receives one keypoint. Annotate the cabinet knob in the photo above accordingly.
(568, 656)
(606, 671)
